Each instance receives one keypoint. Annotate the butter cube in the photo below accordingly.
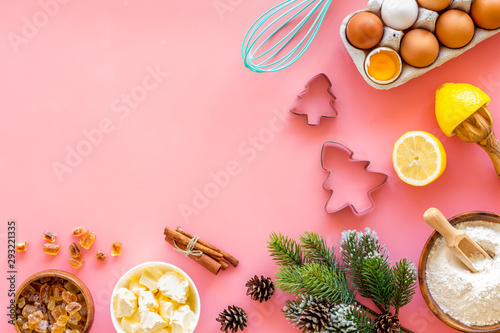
(151, 321)
(167, 309)
(135, 286)
(149, 278)
(125, 303)
(174, 286)
(131, 324)
(147, 301)
(183, 320)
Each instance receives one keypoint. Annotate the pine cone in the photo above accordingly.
(314, 318)
(260, 289)
(232, 319)
(387, 323)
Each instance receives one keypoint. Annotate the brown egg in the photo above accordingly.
(454, 28)
(364, 30)
(436, 5)
(486, 13)
(419, 48)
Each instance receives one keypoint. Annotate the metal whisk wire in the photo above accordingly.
(259, 34)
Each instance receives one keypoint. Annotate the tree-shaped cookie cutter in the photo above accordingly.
(314, 119)
(339, 146)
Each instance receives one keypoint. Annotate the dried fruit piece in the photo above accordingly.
(74, 250)
(22, 246)
(78, 231)
(116, 249)
(88, 238)
(77, 263)
(49, 236)
(100, 256)
(51, 249)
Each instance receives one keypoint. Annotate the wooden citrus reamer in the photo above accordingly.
(478, 128)
(462, 246)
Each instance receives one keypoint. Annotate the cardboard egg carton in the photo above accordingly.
(392, 38)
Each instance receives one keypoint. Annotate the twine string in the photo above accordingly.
(190, 248)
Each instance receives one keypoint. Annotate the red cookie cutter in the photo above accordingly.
(316, 100)
(360, 180)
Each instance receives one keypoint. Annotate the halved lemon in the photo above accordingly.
(418, 158)
(455, 102)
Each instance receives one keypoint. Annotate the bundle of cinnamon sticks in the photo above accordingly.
(210, 257)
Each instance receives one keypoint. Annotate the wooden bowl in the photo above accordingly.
(433, 306)
(68, 277)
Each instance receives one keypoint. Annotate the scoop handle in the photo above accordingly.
(436, 220)
(492, 147)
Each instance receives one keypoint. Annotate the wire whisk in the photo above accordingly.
(259, 52)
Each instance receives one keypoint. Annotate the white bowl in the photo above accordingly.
(193, 298)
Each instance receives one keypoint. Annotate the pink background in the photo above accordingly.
(67, 78)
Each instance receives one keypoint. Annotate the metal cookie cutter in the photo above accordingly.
(318, 89)
(330, 206)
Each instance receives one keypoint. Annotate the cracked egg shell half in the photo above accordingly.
(383, 65)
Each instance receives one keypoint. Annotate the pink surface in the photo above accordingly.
(196, 115)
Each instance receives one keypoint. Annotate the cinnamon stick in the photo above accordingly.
(206, 261)
(232, 260)
(224, 264)
(184, 240)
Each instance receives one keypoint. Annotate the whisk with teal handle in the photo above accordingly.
(258, 50)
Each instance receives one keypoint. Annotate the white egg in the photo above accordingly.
(399, 14)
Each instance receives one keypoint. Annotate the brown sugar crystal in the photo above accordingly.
(78, 231)
(69, 297)
(74, 250)
(73, 307)
(51, 249)
(45, 291)
(116, 249)
(49, 236)
(100, 256)
(77, 262)
(22, 246)
(88, 238)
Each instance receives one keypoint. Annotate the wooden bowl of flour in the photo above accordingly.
(429, 300)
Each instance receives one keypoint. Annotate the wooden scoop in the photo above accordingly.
(457, 240)
(478, 128)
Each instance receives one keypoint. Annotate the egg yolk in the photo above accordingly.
(383, 65)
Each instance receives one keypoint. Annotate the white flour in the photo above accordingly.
(472, 298)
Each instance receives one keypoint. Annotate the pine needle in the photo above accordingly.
(405, 279)
(285, 251)
(316, 249)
